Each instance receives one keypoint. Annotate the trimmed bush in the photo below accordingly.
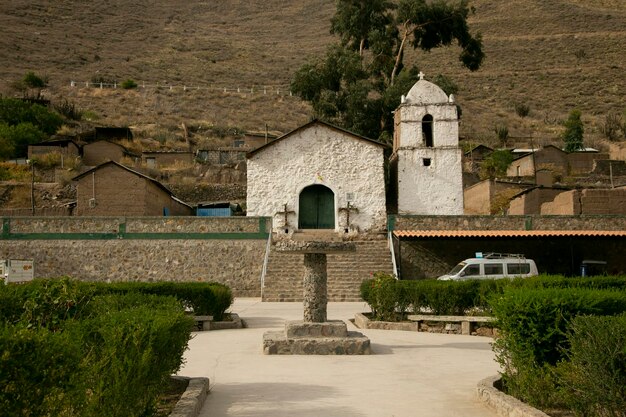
(594, 376)
(69, 352)
(133, 343)
(533, 325)
(39, 373)
(202, 298)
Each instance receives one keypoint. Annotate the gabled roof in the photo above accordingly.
(481, 146)
(124, 149)
(58, 142)
(308, 125)
(139, 174)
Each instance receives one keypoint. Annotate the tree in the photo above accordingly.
(496, 164)
(17, 138)
(574, 130)
(360, 80)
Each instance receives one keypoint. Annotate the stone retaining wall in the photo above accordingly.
(226, 250)
(236, 263)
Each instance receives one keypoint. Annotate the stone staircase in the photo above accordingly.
(283, 277)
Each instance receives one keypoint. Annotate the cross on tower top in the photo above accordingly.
(421, 75)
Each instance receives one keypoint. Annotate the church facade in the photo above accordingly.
(318, 176)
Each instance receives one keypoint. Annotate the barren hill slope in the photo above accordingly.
(552, 55)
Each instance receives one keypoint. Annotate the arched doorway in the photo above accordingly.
(316, 208)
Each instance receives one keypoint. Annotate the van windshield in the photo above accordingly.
(457, 268)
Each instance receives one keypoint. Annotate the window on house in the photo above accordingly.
(426, 162)
(239, 143)
(427, 130)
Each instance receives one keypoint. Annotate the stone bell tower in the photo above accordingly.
(426, 161)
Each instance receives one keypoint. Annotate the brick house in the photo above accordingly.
(486, 197)
(111, 189)
(549, 157)
(65, 147)
(473, 158)
(155, 159)
(102, 151)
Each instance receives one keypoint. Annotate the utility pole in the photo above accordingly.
(32, 186)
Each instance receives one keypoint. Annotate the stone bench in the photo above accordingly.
(467, 322)
(203, 322)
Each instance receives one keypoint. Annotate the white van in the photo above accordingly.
(492, 266)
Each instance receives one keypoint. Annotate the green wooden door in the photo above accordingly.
(317, 208)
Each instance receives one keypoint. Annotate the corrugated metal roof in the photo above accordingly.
(508, 233)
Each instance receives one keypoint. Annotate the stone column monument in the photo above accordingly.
(315, 335)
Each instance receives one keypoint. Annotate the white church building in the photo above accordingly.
(320, 176)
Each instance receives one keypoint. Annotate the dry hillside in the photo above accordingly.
(552, 55)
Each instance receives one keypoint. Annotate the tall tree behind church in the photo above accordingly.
(360, 80)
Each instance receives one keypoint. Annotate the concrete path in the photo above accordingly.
(410, 374)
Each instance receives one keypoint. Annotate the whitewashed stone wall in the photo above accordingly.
(433, 190)
(319, 154)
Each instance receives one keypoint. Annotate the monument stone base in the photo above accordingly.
(303, 338)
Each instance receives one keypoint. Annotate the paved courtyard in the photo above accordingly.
(409, 374)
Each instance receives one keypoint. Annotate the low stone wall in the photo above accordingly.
(236, 263)
(504, 405)
(189, 249)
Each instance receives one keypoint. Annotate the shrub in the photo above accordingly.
(18, 137)
(383, 297)
(446, 84)
(68, 110)
(202, 298)
(496, 164)
(128, 84)
(502, 133)
(66, 351)
(132, 345)
(39, 373)
(533, 325)
(522, 109)
(594, 376)
(612, 126)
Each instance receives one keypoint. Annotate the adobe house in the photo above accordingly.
(252, 140)
(318, 176)
(96, 153)
(474, 157)
(549, 157)
(66, 147)
(155, 159)
(530, 201)
(485, 196)
(112, 133)
(583, 162)
(222, 155)
(111, 189)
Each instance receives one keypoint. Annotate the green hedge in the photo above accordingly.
(39, 373)
(211, 299)
(54, 300)
(461, 297)
(105, 355)
(533, 324)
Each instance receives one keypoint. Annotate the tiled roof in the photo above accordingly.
(508, 233)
